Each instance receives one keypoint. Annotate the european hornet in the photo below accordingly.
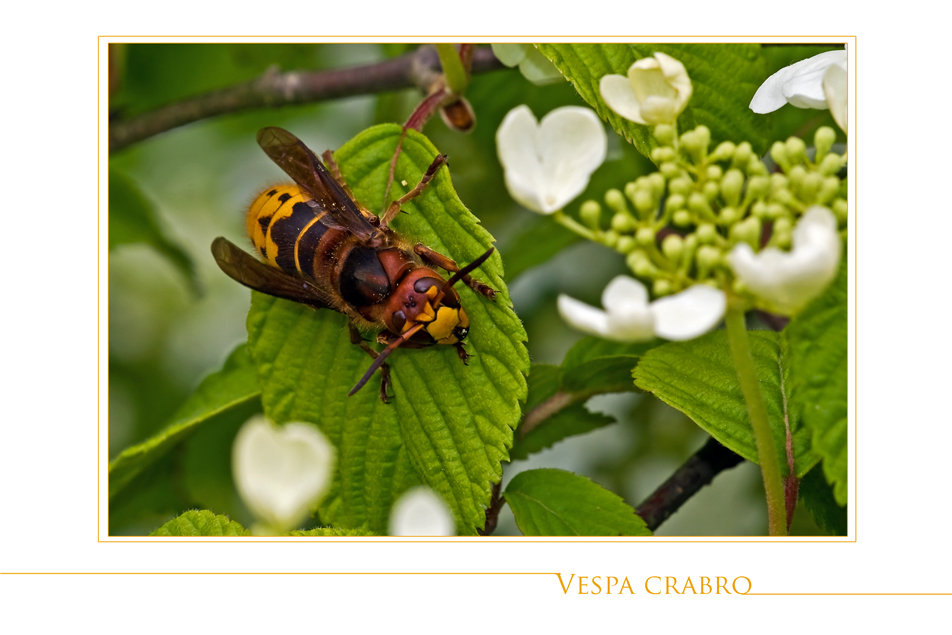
(321, 248)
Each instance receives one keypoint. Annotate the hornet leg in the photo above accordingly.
(438, 259)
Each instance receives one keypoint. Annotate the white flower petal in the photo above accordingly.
(771, 94)
(806, 90)
(510, 54)
(549, 164)
(421, 512)
(583, 317)
(538, 69)
(623, 290)
(835, 88)
(281, 472)
(688, 314)
(617, 92)
(677, 77)
(631, 322)
(787, 281)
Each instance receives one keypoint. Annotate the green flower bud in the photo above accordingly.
(830, 165)
(664, 133)
(748, 231)
(778, 182)
(591, 213)
(707, 258)
(625, 244)
(796, 150)
(675, 202)
(672, 247)
(758, 187)
(731, 185)
(723, 151)
(670, 170)
(759, 209)
(840, 210)
(711, 190)
(682, 185)
(742, 154)
(681, 218)
(630, 188)
(640, 264)
(616, 200)
(783, 225)
(623, 223)
(662, 287)
(715, 172)
(782, 239)
(728, 216)
(662, 154)
(656, 183)
(645, 236)
(776, 210)
(695, 143)
(778, 152)
(739, 287)
(644, 203)
(609, 238)
(824, 139)
(785, 197)
(698, 204)
(810, 187)
(828, 189)
(706, 233)
(756, 166)
(795, 177)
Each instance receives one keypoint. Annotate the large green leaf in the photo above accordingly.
(724, 76)
(817, 341)
(698, 378)
(330, 532)
(133, 219)
(817, 496)
(452, 423)
(550, 502)
(201, 523)
(235, 384)
(595, 364)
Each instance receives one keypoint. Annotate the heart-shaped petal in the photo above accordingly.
(420, 512)
(281, 471)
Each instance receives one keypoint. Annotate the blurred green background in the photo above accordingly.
(164, 336)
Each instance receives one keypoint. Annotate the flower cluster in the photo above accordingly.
(709, 222)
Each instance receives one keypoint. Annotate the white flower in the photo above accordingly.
(787, 281)
(420, 512)
(548, 164)
(799, 84)
(628, 317)
(533, 65)
(656, 90)
(835, 89)
(281, 471)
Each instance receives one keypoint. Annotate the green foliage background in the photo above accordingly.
(174, 317)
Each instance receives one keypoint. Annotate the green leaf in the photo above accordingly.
(550, 502)
(724, 76)
(698, 378)
(570, 421)
(817, 341)
(452, 423)
(595, 364)
(133, 219)
(330, 532)
(817, 496)
(201, 523)
(235, 384)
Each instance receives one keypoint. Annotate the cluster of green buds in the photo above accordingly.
(676, 226)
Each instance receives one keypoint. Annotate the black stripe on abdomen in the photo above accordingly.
(284, 234)
(307, 246)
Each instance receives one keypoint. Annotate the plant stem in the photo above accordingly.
(570, 223)
(453, 71)
(757, 410)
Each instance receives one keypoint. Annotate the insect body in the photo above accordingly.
(321, 248)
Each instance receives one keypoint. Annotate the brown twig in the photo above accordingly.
(699, 470)
(275, 89)
(492, 512)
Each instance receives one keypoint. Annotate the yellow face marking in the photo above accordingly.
(431, 292)
(426, 314)
(441, 329)
(463, 318)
